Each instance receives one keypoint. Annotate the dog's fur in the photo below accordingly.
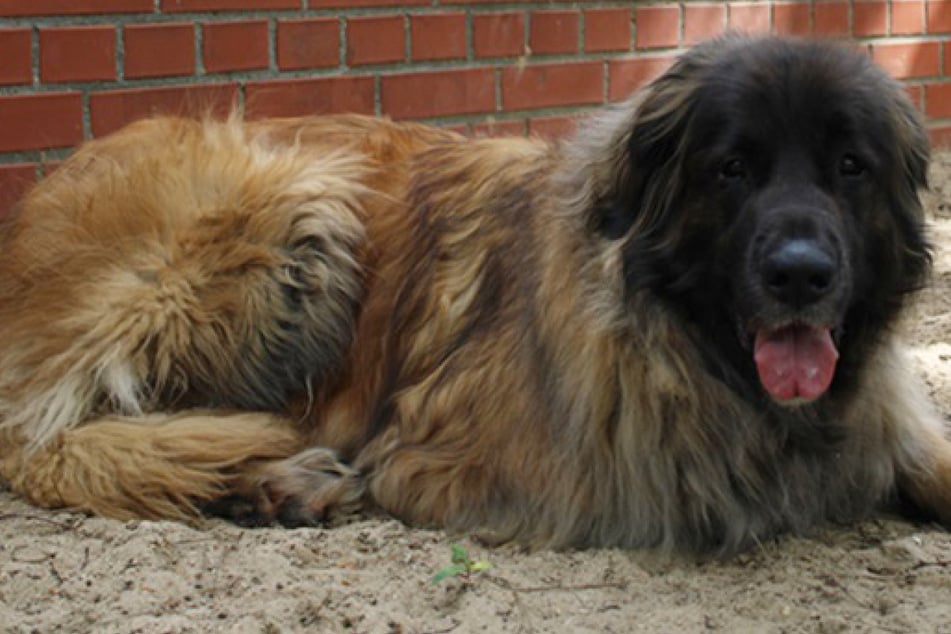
(551, 343)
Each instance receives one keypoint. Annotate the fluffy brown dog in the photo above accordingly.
(673, 329)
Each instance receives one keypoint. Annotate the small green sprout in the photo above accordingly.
(462, 566)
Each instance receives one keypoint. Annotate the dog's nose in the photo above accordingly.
(799, 272)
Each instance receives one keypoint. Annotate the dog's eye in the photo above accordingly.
(850, 166)
(733, 169)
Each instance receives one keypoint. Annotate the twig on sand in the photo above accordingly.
(445, 630)
(940, 563)
(619, 585)
(67, 525)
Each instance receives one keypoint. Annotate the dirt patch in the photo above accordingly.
(71, 573)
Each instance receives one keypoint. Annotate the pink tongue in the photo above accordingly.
(797, 361)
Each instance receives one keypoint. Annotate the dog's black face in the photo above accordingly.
(775, 207)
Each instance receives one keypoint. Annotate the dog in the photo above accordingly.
(673, 330)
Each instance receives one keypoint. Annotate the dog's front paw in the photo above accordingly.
(312, 488)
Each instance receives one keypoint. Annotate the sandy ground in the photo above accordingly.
(62, 572)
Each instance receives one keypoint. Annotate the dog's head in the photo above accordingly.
(767, 190)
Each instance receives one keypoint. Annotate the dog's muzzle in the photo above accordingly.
(799, 279)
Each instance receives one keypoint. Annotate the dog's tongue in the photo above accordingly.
(797, 361)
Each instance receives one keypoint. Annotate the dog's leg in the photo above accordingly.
(155, 466)
(924, 477)
(918, 438)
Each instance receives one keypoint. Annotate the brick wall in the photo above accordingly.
(75, 69)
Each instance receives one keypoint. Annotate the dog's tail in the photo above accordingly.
(151, 467)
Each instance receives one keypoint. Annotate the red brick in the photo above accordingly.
(375, 40)
(297, 97)
(40, 121)
(490, 127)
(15, 179)
(545, 85)
(353, 4)
(939, 17)
(657, 27)
(143, 42)
(433, 94)
(308, 43)
(703, 21)
(177, 6)
(72, 7)
(938, 101)
(554, 32)
(627, 75)
(749, 17)
(909, 60)
(791, 18)
(915, 94)
(50, 166)
(459, 128)
(940, 136)
(16, 65)
(831, 19)
(552, 127)
(607, 30)
(947, 59)
(77, 53)
(498, 35)
(908, 17)
(230, 46)
(110, 110)
(869, 18)
(441, 36)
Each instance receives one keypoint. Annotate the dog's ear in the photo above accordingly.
(628, 159)
(912, 146)
(647, 188)
(911, 143)
(911, 176)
